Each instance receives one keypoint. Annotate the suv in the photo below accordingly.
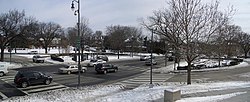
(38, 58)
(27, 78)
(104, 68)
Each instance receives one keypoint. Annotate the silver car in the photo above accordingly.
(71, 69)
(148, 62)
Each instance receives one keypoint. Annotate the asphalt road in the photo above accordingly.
(127, 69)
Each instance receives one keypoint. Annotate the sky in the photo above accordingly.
(103, 13)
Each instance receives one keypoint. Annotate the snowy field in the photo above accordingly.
(117, 93)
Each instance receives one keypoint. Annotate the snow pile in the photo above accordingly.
(143, 93)
(83, 94)
(171, 67)
(215, 98)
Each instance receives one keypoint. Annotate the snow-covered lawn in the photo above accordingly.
(116, 93)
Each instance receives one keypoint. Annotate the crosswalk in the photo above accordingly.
(35, 64)
(144, 79)
(133, 68)
(34, 88)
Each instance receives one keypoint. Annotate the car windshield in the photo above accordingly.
(93, 60)
(66, 66)
(106, 65)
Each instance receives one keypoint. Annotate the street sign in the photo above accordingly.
(78, 42)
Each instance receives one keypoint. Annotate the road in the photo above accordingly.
(127, 69)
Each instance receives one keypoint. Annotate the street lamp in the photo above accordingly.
(151, 67)
(78, 43)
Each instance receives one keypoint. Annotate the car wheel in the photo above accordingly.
(47, 82)
(24, 84)
(105, 72)
(83, 70)
(115, 70)
(68, 72)
(1, 74)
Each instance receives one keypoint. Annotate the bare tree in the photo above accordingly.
(46, 33)
(118, 35)
(186, 24)
(72, 35)
(97, 40)
(12, 24)
(244, 42)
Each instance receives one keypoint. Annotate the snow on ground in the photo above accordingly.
(116, 93)
(171, 67)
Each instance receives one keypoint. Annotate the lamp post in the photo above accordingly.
(78, 43)
(151, 59)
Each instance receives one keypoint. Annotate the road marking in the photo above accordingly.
(143, 79)
(33, 88)
(3, 96)
(46, 89)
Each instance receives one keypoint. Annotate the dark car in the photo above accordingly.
(104, 68)
(27, 78)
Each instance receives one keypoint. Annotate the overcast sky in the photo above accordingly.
(102, 13)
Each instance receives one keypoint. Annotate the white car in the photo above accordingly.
(38, 58)
(148, 62)
(71, 69)
(33, 52)
(94, 62)
(3, 69)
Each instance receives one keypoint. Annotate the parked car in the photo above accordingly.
(144, 57)
(104, 68)
(3, 69)
(33, 52)
(148, 62)
(94, 62)
(103, 57)
(71, 69)
(27, 78)
(171, 58)
(38, 58)
(199, 65)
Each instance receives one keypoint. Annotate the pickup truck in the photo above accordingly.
(38, 58)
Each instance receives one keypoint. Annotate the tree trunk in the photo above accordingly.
(245, 54)
(46, 50)
(189, 73)
(118, 54)
(2, 54)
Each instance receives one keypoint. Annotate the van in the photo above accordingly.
(3, 69)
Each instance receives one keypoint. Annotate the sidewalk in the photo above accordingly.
(237, 94)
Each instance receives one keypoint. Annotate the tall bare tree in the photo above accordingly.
(47, 33)
(187, 23)
(12, 24)
(244, 42)
(117, 36)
